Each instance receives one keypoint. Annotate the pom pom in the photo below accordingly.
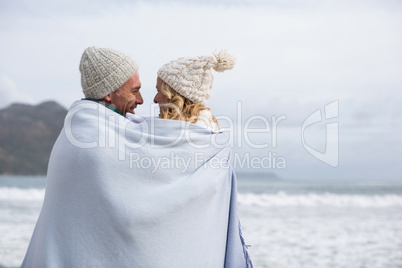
(224, 60)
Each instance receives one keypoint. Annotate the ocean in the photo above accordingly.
(287, 223)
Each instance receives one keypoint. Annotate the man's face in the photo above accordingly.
(128, 96)
(159, 97)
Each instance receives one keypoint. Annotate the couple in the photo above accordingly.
(130, 191)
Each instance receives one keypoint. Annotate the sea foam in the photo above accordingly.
(282, 199)
(19, 194)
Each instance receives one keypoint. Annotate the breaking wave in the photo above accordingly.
(19, 194)
(282, 199)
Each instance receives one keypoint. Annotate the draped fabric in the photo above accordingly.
(156, 193)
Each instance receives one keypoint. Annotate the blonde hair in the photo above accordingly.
(181, 108)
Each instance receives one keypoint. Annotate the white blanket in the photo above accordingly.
(157, 193)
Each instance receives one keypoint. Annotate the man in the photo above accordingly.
(70, 231)
(110, 78)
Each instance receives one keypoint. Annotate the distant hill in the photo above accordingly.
(27, 135)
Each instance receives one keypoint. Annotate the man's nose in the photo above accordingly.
(139, 99)
(155, 101)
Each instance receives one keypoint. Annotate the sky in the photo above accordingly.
(293, 58)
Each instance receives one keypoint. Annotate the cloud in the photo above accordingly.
(10, 93)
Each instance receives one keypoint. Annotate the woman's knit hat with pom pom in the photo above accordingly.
(191, 77)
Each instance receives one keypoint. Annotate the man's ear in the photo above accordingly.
(107, 99)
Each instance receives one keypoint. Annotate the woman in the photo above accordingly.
(184, 86)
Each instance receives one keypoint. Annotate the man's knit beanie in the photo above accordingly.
(104, 70)
(191, 77)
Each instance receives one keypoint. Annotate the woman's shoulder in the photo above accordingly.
(206, 120)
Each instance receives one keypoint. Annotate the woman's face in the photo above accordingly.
(159, 97)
